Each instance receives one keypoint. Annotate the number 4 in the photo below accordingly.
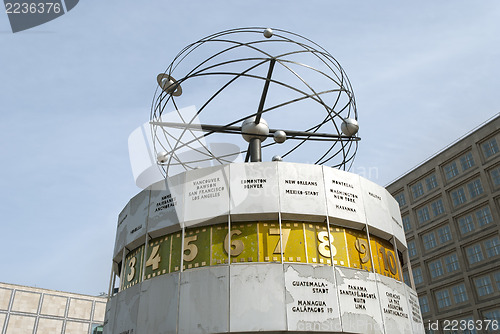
(154, 258)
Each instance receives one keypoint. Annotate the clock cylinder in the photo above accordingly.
(268, 247)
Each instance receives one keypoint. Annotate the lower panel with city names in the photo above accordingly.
(252, 242)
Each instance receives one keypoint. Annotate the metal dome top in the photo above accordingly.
(236, 79)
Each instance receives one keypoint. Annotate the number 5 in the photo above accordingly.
(191, 248)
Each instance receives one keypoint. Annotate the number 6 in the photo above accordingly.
(237, 246)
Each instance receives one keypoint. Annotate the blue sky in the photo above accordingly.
(72, 90)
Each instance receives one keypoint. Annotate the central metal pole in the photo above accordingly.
(255, 150)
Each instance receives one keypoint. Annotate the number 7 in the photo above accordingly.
(286, 234)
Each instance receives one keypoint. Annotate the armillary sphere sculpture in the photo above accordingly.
(258, 83)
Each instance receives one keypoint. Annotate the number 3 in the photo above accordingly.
(131, 264)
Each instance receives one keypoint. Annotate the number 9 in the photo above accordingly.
(362, 248)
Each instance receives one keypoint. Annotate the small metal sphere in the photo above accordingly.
(251, 130)
(167, 85)
(268, 33)
(280, 136)
(162, 157)
(277, 158)
(349, 127)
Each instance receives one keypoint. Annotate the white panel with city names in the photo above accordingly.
(417, 322)
(397, 223)
(121, 233)
(394, 305)
(359, 301)
(164, 208)
(376, 210)
(301, 189)
(137, 219)
(312, 304)
(343, 196)
(254, 188)
(206, 194)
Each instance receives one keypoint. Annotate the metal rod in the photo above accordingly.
(264, 91)
(255, 150)
(237, 130)
(247, 156)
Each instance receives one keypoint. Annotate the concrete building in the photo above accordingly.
(28, 310)
(450, 207)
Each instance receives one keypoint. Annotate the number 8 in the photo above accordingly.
(325, 243)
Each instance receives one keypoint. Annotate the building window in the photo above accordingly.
(474, 254)
(417, 190)
(406, 278)
(492, 247)
(451, 170)
(495, 176)
(451, 263)
(492, 315)
(424, 304)
(406, 223)
(423, 215)
(431, 182)
(412, 249)
(400, 198)
(437, 207)
(483, 216)
(466, 224)
(458, 197)
(475, 188)
(497, 279)
(96, 329)
(490, 148)
(436, 268)
(466, 328)
(459, 294)
(429, 240)
(443, 298)
(483, 286)
(444, 234)
(467, 161)
(417, 276)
